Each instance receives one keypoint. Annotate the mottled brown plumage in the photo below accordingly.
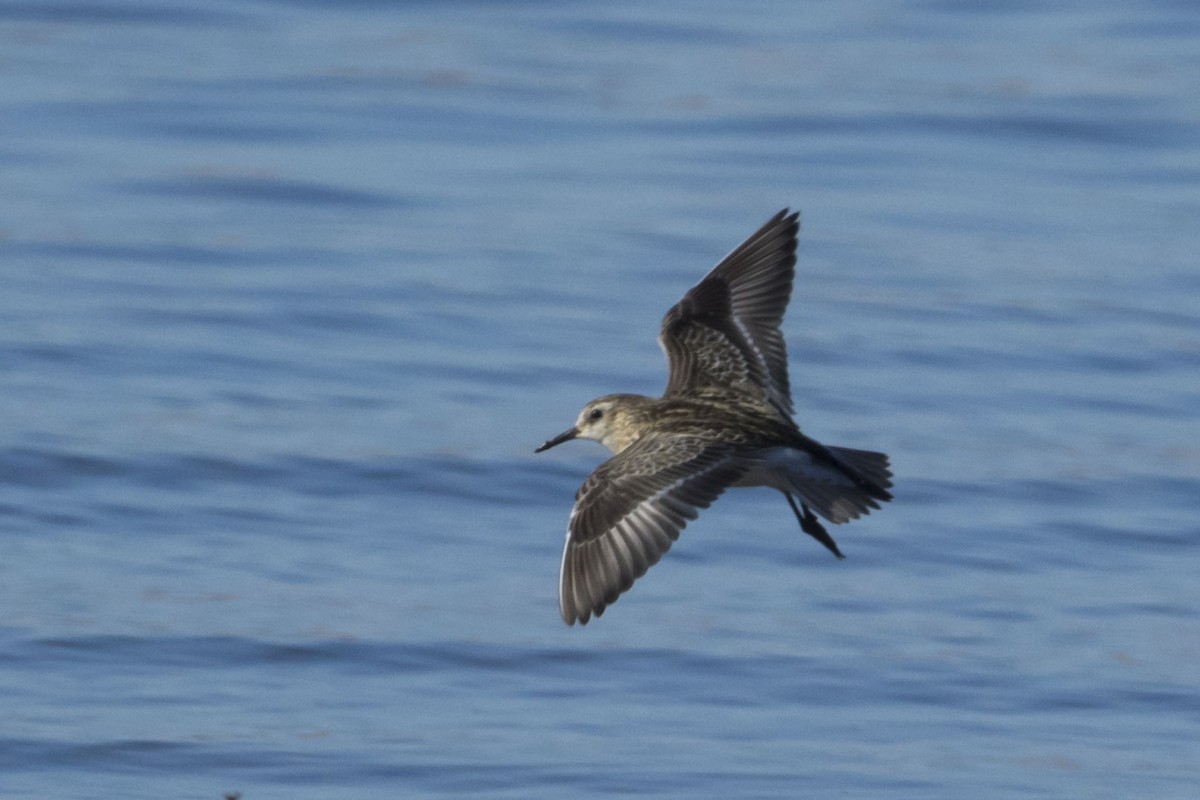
(724, 420)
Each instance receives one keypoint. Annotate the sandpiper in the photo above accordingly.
(724, 420)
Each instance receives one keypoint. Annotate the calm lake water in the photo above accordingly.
(291, 290)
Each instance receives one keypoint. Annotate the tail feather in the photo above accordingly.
(853, 485)
(836, 502)
(868, 464)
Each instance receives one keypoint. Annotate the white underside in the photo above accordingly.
(826, 489)
(789, 470)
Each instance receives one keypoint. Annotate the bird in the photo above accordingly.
(724, 420)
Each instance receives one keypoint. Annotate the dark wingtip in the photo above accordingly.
(572, 617)
(786, 215)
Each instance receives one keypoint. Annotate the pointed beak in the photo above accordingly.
(565, 436)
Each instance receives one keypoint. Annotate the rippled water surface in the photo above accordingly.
(292, 289)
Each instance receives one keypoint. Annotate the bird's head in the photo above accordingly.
(615, 421)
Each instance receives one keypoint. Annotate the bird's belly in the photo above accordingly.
(788, 470)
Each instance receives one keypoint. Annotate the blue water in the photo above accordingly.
(291, 290)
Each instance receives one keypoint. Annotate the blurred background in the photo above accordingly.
(289, 292)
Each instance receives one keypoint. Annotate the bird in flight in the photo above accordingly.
(724, 420)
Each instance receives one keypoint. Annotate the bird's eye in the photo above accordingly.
(596, 414)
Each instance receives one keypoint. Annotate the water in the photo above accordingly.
(291, 290)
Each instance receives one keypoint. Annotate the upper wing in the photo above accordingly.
(629, 512)
(725, 330)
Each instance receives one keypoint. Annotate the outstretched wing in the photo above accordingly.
(725, 330)
(631, 510)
